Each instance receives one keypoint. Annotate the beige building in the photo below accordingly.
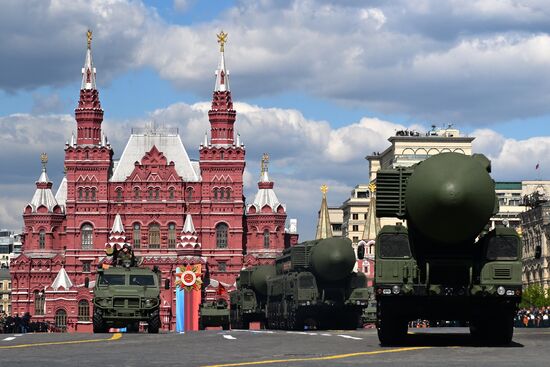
(5, 291)
(336, 217)
(354, 213)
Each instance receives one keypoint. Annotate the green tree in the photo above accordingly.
(535, 296)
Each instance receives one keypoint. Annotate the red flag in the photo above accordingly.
(221, 290)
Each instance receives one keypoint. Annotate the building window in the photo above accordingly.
(137, 235)
(227, 193)
(355, 216)
(266, 238)
(42, 239)
(61, 319)
(171, 235)
(93, 193)
(215, 194)
(87, 236)
(150, 191)
(136, 193)
(337, 227)
(355, 239)
(355, 228)
(221, 235)
(86, 267)
(157, 194)
(87, 194)
(171, 193)
(222, 267)
(83, 310)
(189, 194)
(221, 155)
(118, 194)
(365, 216)
(80, 193)
(39, 300)
(222, 190)
(154, 236)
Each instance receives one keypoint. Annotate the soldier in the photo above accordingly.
(126, 256)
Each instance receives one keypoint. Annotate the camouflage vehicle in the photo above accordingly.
(124, 296)
(214, 313)
(249, 299)
(369, 313)
(315, 287)
(446, 265)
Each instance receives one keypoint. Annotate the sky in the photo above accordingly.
(317, 84)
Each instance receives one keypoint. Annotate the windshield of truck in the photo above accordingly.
(394, 246)
(111, 279)
(306, 282)
(502, 248)
(142, 280)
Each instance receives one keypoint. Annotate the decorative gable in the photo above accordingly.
(154, 167)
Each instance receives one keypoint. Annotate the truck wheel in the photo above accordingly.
(99, 323)
(391, 331)
(154, 323)
(225, 326)
(497, 331)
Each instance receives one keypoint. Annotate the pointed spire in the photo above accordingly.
(73, 140)
(205, 142)
(118, 227)
(117, 238)
(324, 229)
(372, 224)
(266, 196)
(188, 227)
(62, 280)
(88, 71)
(189, 236)
(43, 196)
(264, 177)
(238, 143)
(222, 75)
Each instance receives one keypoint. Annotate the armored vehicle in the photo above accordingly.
(446, 264)
(124, 296)
(249, 299)
(315, 287)
(214, 313)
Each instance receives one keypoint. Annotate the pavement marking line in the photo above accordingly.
(349, 337)
(115, 336)
(230, 337)
(326, 358)
(9, 338)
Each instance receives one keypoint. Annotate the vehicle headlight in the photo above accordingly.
(501, 291)
(396, 289)
(149, 302)
(386, 291)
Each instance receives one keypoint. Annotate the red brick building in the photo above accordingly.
(172, 210)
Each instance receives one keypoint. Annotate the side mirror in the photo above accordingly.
(166, 283)
(538, 252)
(361, 251)
(87, 282)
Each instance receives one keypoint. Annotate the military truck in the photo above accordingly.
(445, 264)
(214, 313)
(249, 299)
(315, 287)
(126, 295)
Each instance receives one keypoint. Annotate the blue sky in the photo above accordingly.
(319, 84)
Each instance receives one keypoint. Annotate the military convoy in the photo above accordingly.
(125, 295)
(446, 264)
(312, 285)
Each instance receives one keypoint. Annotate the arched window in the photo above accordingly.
(87, 194)
(266, 238)
(157, 193)
(154, 236)
(172, 235)
(61, 319)
(136, 193)
(42, 239)
(137, 235)
(80, 193)
(222, 193)
(189, 194)
(87, 236)
(227, 193)
(39, 300)
(93, 193)
(119, 194)
(221, 235)
(150, 191)
(215, 194)
(83, 310)
(171, 193)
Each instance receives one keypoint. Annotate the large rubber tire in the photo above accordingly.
(497, 329)
(98, 323)
(391, 330)
(153, 323)
(225, 326)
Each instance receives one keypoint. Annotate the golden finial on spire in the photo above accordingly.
(222, 39)
(265, 161)
(324, 189)
(89, 36)
(44, 159)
